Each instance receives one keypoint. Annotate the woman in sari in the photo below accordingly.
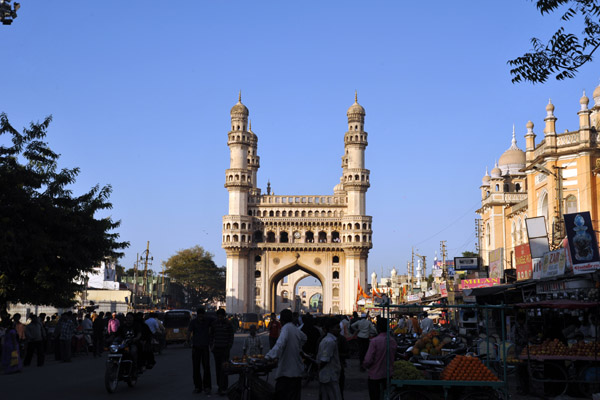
(11, 359)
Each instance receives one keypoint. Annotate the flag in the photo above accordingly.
(375, 292)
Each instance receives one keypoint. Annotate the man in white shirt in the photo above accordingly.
(329, 362)
(290, 366)
(365, 329)
(426, 324)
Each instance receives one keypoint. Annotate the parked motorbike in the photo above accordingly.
(120, 366)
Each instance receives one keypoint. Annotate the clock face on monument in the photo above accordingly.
(297, 235)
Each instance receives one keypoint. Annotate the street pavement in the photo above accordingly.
(170, 378)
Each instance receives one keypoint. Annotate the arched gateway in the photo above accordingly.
(270, 237)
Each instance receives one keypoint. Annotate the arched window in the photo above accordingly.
(322, 237)
(335, 292)
(228, 226)
(243, 238)
(284, 214)
(336, 259)
(309, 237)
(357, 226)
(364, 226)
(257, 274)
(513, 233)
(349, 238)
(571, 204)
(543, 207)
(235, 238)
(277, 213)
(270, 237)
(506, 187)
(304, 213)
(335, 275)
(517, 187)
(285, 297)
(258, 236)
(271, 214)
(497, 188)
(296, 214)
(356, 238)
(283, 237)
(243, 225)
(335, 237)
(303, 294)
(257, 259)
(236, 226)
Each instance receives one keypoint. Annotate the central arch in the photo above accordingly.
(285, 271)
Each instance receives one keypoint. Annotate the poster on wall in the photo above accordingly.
(537, 268)
(496, 269)
(523, 262)
(538, 236)
(582, 242)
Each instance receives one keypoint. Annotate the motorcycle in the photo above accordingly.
(120, 366)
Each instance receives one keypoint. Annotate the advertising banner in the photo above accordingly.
(437, 272)
(496, 269)
(478, 283)
(554, 263)
(523, 261)
(582, 242)
(537, 268)
(466, 263)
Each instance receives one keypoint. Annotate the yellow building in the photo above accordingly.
(527, 184)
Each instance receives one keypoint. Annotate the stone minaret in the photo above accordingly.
(357, 232)
(240, 180)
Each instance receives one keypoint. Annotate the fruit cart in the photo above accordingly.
(465, 377)
(555, 365)
(250, 385)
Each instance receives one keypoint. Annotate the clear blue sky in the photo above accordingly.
(140, 92)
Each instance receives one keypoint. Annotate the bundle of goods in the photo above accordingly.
(406, 371)
(558, 348)
(257, 361)
(467, 368)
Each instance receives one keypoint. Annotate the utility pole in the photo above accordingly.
(478, 222)
(412, 268)
(444, 268)
(147, 259)
(162, 285)
(135, 271)
(559, 223)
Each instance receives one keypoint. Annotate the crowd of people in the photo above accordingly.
(70, 333)
(295, 341)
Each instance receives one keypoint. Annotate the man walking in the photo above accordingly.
(66, 327)
(329, 362)
(199, 330)
(274, 330)
(290, 367)
(36, 335)
(221, 340)
(98, 334)
(376, 362)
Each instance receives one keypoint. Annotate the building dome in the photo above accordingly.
(394, 272)
(496, 172)
(550, 107)
(529, 125)
(339, 188)
(596, 95)
(485, 181)
(584, 99)
(239, 108)
(356, 108)
(513, 159)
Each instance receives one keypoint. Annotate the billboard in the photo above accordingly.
(523, 262)
(582, 242)
(466, 263)
(538, 236)
(478, 283)
(496, 269)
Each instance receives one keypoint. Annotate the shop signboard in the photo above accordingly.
(554, 263)
(437, 272)
(537, 268)
(413, 297)
(582, 242)
(466, 263)
(478, 283)
(495, 269)
(443, 289)
(523, 261)
(563, 286)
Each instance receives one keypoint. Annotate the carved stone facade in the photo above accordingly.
(268, 237)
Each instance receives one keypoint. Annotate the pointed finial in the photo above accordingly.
(356, 96)
(249, 125)
(486, 170)
(240, 97)
(268, 187)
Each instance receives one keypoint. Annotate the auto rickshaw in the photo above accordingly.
(176, 324)
(247, 320)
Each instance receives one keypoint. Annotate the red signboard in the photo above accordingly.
(478, 283)
(523, 261)
(443, 289)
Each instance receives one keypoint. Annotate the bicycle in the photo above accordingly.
(311, 369)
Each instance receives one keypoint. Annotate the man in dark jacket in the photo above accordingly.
(221, 340)
(199, 331)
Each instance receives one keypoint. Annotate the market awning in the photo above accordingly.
(560, 303)
(487, 291)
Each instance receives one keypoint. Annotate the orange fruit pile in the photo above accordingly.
(467, 368)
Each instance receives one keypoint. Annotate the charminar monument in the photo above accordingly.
(272, 242)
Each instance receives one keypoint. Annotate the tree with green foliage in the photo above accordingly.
(195, 269)
(49, 238)
(469, 254)
(565, 52)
